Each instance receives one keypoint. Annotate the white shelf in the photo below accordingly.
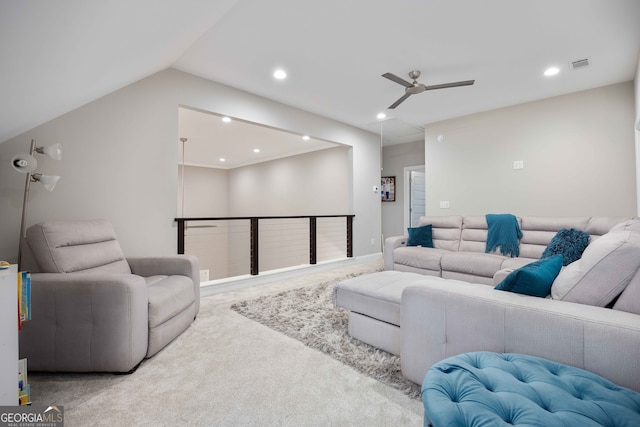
(9, 336)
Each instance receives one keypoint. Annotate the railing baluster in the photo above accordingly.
(254, 246)
(350, 236)
(181, 231)
(313, 245)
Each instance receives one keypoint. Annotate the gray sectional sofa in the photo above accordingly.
(460, 241)
(430, 303)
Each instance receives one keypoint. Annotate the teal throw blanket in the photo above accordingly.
(504, 232)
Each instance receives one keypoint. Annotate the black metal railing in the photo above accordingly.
(254, 233)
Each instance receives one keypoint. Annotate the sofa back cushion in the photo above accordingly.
(474, 234)
(73, 246)
(445, 232)
(605, 269)
(600, 225)
(537, 232)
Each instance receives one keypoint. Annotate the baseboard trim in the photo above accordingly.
(214, 287)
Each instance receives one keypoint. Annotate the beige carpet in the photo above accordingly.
(227, 370)
(308, 314)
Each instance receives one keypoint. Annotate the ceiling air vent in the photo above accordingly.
(580, 64)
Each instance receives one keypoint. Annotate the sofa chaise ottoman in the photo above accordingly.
(373, 301)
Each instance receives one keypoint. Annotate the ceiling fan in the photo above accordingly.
(416, 88)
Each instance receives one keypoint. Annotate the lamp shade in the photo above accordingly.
(49, 181)
(24, 163)
(54, 151)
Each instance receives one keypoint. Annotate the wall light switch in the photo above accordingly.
(444, 204)
(518, 164)
(375, 188)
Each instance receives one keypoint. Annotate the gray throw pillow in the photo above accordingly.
(605, 269)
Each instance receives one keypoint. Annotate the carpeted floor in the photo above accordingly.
(308, 315)
(228, 370)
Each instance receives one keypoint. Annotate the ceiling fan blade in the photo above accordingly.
(446, 85)
(397, 79)
(399, 101)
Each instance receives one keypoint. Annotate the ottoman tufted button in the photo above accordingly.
(483, 392)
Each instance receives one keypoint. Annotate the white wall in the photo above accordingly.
(307, 184)
(121, 155)
(637, 131)
(206, 192)
(578, 153)
(394, 159)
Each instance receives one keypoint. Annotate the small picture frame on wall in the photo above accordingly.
(388, 188)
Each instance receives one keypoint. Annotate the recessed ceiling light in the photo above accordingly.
(551, 71)
(226, 119)
(306, 137)
(280, 74)
(222, 159)
(256, 150)
(381, 115)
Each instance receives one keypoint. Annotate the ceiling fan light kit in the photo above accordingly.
(416, 87)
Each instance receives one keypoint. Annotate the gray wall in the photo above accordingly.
(637, 130)
(578, 153)
(121, 153)
(305, 184)
(394, 159)
(206, 192)
(312, 183)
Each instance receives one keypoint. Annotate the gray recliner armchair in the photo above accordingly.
(95, 310)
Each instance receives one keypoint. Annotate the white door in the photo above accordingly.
(416, 197)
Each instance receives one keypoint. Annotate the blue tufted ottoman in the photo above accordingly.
(490, 389)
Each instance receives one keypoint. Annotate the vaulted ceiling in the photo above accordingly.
(59, 55)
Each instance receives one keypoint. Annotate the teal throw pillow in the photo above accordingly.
(533, 279)
(420, 236)
(570, 243)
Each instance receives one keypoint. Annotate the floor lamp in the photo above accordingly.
(26, 163)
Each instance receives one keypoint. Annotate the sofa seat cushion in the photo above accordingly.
(375, 295)
(484, 388)
(168, 296)
(514, 263)
(477, 264)
(425, 258)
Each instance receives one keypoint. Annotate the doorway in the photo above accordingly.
(415, 192)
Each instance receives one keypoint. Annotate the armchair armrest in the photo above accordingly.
(172, 265)
(85, 322)
(390, 244)
(442, 318)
